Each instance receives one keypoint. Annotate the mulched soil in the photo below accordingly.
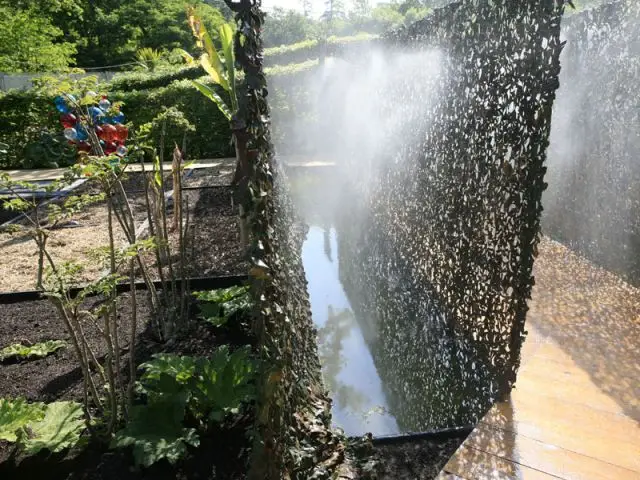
(414, 459)
(215, 238)
(216, 234)
(223, 451)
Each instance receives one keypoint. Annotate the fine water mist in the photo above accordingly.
(421, 197)
(593, 174)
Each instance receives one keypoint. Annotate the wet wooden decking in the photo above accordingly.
(575, 411)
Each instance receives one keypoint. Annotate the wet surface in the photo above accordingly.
(350, 374)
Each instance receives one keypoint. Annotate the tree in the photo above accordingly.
(307, 7)
(110, 32)
(283, 27)
(30, 43)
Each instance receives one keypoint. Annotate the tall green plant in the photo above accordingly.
(221, 72)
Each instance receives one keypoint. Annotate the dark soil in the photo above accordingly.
(421, 459)
(216, 234)
(223, 452)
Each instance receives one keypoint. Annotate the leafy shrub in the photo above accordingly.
(174, 386)
(311, 49)
(36, 426)
(29, 124)
(16, 414)
(39, 350)
(219, 306)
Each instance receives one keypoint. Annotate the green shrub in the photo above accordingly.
(311, 49)
(25, 115)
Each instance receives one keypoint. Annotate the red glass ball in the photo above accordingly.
(107, 132)
(122, 132)
(109, 148)
(84, 147)
(68, 120)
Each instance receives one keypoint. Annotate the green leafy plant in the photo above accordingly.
(174, 386)
(213, 386)
(149, 58)
(61, 427)
(221, 73)
(39, 350)
(16, 414)
(36, 426)
(155, 431)
(223, 382)
(219, 306)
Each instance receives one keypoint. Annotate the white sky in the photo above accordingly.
(318, 5)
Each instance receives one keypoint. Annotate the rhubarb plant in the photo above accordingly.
(39, 350)
(35, 426)
(217, 307)
(174, 388)
(60, 429)
(16, 414)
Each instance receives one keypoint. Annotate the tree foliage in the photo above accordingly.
(51, 35)
(31, 42)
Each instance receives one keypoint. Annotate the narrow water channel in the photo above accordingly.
(359, 403)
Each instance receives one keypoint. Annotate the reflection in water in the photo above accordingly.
(359, 403)
(389, 362)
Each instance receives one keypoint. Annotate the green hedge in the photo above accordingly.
(296, 53)
(26, 113)
(311, 49)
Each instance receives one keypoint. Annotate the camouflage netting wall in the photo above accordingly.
(293, 439)
(457, 223)
(593, 202)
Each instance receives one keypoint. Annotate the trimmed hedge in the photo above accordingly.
(312, 49)
(26, 113)
(296, 53)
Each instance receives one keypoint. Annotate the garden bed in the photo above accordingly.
(223, 450)
(215, 248)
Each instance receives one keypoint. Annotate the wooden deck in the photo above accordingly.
(575, 411)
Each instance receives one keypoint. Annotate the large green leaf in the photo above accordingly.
(167, 374)
(155, 431)
(223, 304)
(224, 382)
(39, 350)
(60, 429)
(214, 97)
(15, 414)
(213, 66)
(226, 37)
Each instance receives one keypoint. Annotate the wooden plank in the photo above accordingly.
(473, 464)
(570, 389)
(602, 435)
(551, 459)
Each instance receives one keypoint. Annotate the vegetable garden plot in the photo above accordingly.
(223, 444)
